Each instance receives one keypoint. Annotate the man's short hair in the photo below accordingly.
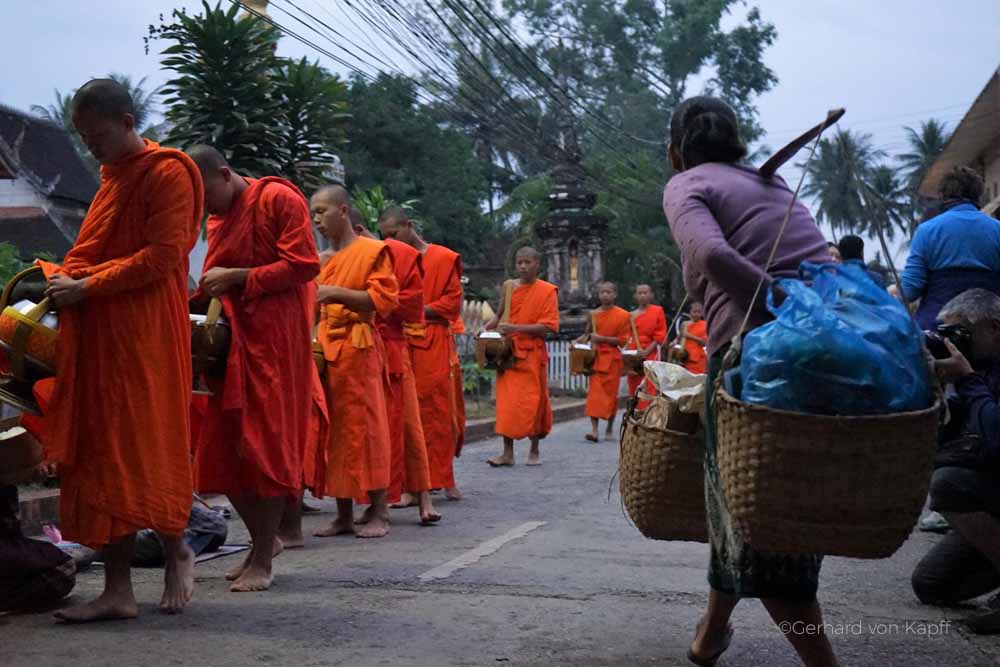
(852, 247)
(963, 183)
(105, 97)
(973, 306)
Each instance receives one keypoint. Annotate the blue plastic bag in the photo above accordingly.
(842, 346)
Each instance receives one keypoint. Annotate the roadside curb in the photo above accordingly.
(38, 508)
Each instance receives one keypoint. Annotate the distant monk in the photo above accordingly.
(523, 407)
(432, 346)
(613, 329)
(261, 263)
(409, 469)
(355, 284)
(651, 325)
(694, 335)
(117, 419)
(458, 418)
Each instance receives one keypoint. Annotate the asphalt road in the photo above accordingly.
(536, 567)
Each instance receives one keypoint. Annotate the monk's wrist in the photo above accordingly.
(238, 277)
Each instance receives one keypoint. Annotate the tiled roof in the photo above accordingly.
(45, 149)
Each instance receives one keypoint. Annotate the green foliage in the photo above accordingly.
(314, 105)
(372, 203)
(397, 144)
(474, 377)
(11, 263)
(224, 92)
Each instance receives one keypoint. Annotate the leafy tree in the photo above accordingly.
(397, 144)
(887, 202)
(314, 104)
(225, 92)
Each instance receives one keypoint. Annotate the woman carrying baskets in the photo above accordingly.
(725, 218)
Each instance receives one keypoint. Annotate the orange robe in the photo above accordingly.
(410, 470)
(255, 427)
(117, 422)
(458, 415)
(651, 326)
(697, 360)
(435, 362)
(523, 407)
(602, 394)
(357, 443)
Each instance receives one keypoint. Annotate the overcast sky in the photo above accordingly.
(890, 63)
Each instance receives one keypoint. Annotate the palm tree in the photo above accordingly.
(143, 102)
(886, 202)
(839, 177)
(925, 147)
(58, 113)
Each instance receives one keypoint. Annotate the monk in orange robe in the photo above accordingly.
(117, 421)
(433, 347)
(260, 264)
(356, 284)
(410, 469)
(458, 415)
(694, 335)
(523, 407)
(613, 327)
(651, 325)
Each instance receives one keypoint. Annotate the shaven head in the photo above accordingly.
(360, 224)
(528, 262)
(222, 184)
(697, 311)
(330, 207)
(607, 293)
(395, 223)
(104, 116)
(643, 295)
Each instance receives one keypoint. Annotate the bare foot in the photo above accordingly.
(428, 514)
(108, 607)
(337, 527)
(453, 494)
(534, 460)
(292, 540)
(376, 527)
(501, 461)
(309, 509)
(253, 578)
(405, 500)
(705, 649)
(178, 582)
(236, 572)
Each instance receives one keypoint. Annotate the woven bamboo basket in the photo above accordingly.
(662, 479)
(28, 331)
(805, 483)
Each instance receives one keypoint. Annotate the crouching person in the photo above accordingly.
(33, 574)
(965, 487)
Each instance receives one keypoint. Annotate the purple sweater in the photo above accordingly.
(725, 219)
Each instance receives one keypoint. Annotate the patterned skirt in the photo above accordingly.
(735, 567)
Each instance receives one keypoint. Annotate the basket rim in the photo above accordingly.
(756, 407)
(635, 422)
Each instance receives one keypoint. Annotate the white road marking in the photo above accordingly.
(474, 555)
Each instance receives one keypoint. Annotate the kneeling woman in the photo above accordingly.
(725, 217)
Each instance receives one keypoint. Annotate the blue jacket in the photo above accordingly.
(951, 253)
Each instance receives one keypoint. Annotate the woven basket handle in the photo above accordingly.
(9, 289)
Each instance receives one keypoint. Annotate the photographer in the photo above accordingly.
(965, 487)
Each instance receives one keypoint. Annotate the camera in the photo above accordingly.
(959, 336)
